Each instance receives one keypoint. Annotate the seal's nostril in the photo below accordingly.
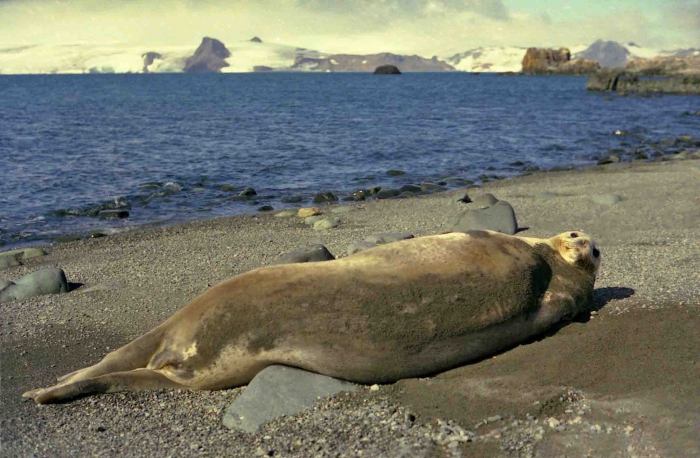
(596, 253)
(574, 235)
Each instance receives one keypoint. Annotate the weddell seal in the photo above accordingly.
(407, 309)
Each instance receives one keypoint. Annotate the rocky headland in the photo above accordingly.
(544, 61)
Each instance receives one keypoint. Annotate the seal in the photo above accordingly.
(407, 309)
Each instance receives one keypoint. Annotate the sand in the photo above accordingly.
(624, 381)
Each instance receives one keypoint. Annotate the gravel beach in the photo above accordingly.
(622, 382)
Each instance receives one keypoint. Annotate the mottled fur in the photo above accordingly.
(406, 309)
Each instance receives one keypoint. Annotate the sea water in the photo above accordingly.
(177, 147)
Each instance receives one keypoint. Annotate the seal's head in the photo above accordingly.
(578, 249)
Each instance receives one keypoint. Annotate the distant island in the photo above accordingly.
(258, 55)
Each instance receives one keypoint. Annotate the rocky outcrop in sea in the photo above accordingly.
(543, 61)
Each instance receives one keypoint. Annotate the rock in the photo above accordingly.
(15, 257)
(44, 281)
(499, 217)
(606, 199)
(607, 53)
(255, 40)
(387, 70)
(431, 187)
(462, 197)
(7, 260)
(538, 61)
(387, 193)
(325, 197)
(630, 82)
(387, 237)
(265, 208)
(292, 199)
(612, 159)
(148, 59)
(172, 187)
(209, 57)
(327, 223)
(310, 211)
(312, 253)
(287, 213)
(113, 214)
(361, 246)
(406, 195)
(278, 391)
(395, 173)
(311, 220)
(248, 192)
(341, 210)
(484, 201)
(410, 188)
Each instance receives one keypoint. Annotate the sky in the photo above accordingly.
(424, 27)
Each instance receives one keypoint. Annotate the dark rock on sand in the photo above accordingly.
(209, 57)
(44, 281)
(322, 197)
(462, 197)
(499, 217)
(387, 193)
(15, 257)
(387, 237)
(312, 253)
(484, 201)
(113, 214)
(256, 40)
(361, 246)
(612, 159)
(387, 70)
(278, 391)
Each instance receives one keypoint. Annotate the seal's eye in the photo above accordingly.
(596, 253)
(573, 235)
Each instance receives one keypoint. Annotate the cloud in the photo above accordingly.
(684, 15)
(423, 27)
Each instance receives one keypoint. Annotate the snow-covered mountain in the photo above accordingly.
(490, 59)
(83, 58)
(252, 55)
(615, 55)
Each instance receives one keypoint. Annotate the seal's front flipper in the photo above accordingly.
(136, 380)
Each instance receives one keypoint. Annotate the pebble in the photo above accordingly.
(309, 211)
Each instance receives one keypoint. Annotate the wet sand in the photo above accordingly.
(624, 381)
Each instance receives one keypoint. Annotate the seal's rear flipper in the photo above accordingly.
(136, 380)
(134, 355)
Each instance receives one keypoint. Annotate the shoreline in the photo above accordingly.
(636, 345)
(441, 183)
